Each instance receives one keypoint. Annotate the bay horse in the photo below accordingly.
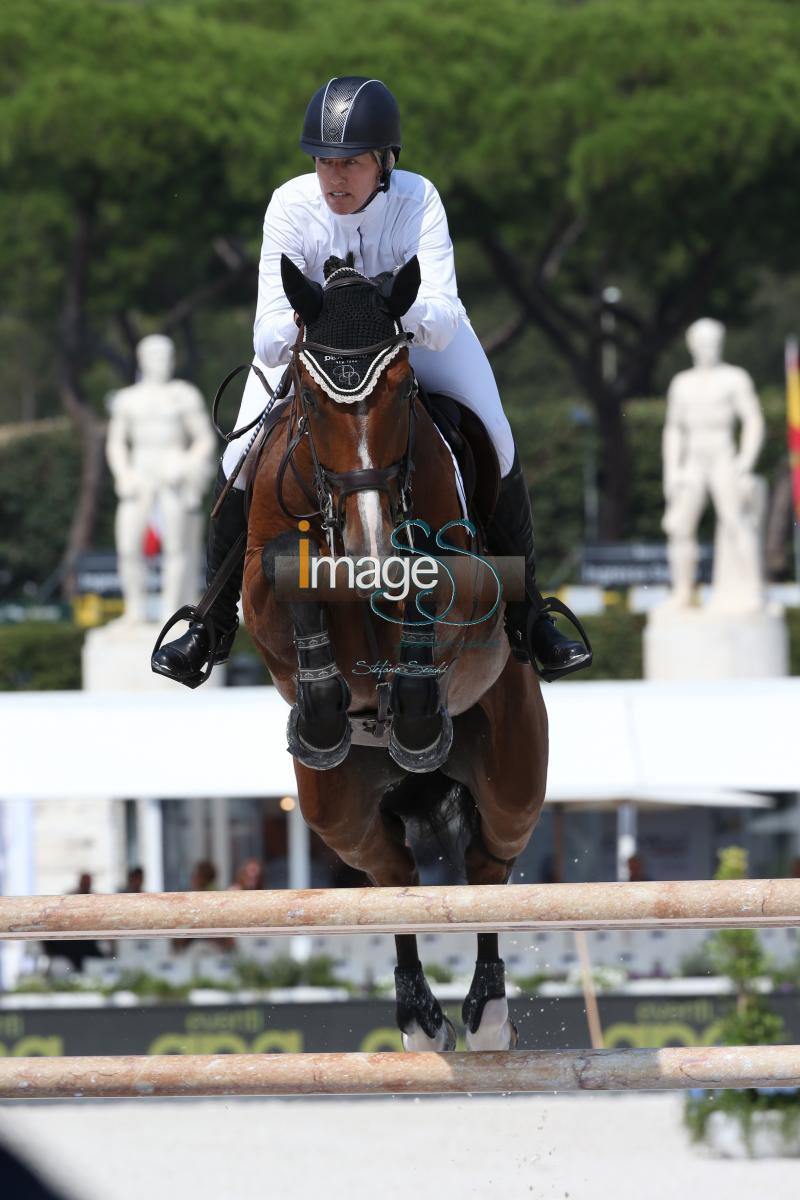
(443, 719)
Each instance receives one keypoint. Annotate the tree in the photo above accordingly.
(654, 147)
(123, 133)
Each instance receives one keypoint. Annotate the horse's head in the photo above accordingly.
(357, 390)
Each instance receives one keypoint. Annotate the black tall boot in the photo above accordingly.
(185, 660)
(531, 628)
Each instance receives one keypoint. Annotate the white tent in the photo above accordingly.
(608, 741)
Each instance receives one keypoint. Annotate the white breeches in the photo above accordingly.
(461, 370)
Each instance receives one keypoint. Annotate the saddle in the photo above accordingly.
(472, 449)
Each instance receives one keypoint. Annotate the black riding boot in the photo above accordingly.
(531, 629)
(186, 659)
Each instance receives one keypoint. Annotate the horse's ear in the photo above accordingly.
(399, 292)
(304, 294)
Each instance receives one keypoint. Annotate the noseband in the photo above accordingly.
(330, 507)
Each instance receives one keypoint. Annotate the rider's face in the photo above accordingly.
(347, 183)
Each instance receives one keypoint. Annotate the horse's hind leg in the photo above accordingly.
(343, 807)
(485, 1011)
(422, 1023)
(318, 732)
(508, 783)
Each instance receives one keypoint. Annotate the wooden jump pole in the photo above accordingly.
(705, 904)
(363, 1074)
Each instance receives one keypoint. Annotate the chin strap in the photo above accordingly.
(385, 177)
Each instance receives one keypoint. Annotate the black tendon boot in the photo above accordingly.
(531, 629)
(186, 660)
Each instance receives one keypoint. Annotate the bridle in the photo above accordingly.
(331, 488)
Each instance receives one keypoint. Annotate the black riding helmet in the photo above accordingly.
(352, 115)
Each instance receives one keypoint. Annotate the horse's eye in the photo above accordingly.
(309, 398)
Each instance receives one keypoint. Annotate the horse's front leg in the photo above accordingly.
(318, 732)
(420, 1019)
(422, 728)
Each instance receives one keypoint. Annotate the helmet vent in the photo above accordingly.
(339, 97)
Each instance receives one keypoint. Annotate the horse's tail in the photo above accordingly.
(439, 819)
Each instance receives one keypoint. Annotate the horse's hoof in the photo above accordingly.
(313, 756)
(429, 758)
(494, 1029)
(442, 1042)
(450, 1044)
(504, 1038)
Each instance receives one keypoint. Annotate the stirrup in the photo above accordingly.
(191, 614)
(551, 604)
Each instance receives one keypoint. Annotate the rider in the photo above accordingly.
(357, 204)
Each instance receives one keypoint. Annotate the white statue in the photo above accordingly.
(701, 456)
(161, 450)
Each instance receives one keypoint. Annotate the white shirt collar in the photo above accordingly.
(371, 218)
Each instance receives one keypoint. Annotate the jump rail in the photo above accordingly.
(363, 1074)
(705, 904)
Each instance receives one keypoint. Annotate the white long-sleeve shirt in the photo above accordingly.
(408, 219)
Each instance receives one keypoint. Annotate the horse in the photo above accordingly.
(408, 716)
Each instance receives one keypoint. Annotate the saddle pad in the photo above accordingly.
(462, 496)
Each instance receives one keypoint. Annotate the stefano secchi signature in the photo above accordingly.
(362, 667)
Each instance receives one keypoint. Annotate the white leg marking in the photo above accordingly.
(417, 1039)
(495, 1031)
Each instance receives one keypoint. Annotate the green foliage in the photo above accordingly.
(38, 657)
(737, 953)
(616, 637)
(38, 985)
(148, 987)
(286, 972)
(39, 477)
(167, 124)
(438, 973)
(280, 973)
(745, 1105)
(529, 984)
(600, 155)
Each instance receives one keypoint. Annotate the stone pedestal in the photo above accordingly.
(704, 644)
(116, 658)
